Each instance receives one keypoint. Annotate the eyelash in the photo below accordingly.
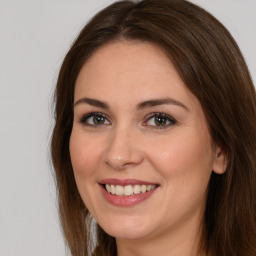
(85, 118)
(103, 117)
(155, 115)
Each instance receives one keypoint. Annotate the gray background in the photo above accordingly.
(34, 37)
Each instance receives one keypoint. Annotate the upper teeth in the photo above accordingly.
(128, 190)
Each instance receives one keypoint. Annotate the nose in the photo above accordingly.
(123, 149)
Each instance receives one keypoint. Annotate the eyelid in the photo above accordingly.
(172, 120)
(91, 114)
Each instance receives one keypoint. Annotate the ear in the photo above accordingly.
(219, 160)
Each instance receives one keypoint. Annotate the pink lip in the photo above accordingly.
(125, 182)
(125, 200)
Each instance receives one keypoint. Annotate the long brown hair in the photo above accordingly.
(213, 69)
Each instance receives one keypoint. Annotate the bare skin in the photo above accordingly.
(135, 119)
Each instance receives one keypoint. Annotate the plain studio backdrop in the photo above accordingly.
(34, 37)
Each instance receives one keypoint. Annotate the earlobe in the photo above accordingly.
(219, 161)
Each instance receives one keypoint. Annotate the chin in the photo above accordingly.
(127, 234)
(132, 228)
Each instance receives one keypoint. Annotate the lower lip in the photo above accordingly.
(126, 200)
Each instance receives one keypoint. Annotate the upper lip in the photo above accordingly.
(125, 182)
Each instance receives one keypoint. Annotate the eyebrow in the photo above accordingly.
(140, 106)
(157, 102)
(92, 102)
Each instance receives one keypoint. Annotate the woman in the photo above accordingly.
(155, 135)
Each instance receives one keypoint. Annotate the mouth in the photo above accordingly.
(128, 190)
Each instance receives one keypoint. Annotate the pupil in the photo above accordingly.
(160, 121)
(98, 120)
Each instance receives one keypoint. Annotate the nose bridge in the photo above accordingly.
(123, 149)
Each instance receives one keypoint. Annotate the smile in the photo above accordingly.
(128, 190)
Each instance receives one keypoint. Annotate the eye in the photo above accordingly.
(160, 120)
(94, 119)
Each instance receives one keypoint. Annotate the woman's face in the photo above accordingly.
(139, 133)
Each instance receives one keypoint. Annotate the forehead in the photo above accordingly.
(130, 70)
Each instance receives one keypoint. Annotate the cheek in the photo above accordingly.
(84, 154)
(187, 155)
(184, 164)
